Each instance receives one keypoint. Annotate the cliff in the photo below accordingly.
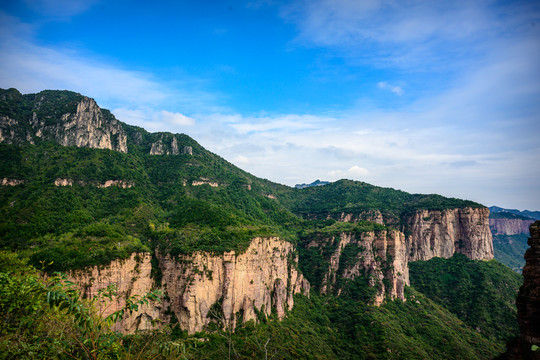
(79, 123)
(528, 304)
(203, 287)
(509, 226)
(131, 277)
(441, 233)
(379, 256)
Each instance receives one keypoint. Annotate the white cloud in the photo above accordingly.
(176, 119)
(241, 160)
(32, 68)
(393, 88)
(355, 173)
(154, 120)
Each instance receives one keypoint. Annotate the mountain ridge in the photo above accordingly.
(83, 201)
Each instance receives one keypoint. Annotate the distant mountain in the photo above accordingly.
(315, 183)
(510, 230)
(525, 213)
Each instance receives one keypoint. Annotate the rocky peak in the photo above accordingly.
(67, 118)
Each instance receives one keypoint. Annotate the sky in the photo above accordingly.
(422, 96)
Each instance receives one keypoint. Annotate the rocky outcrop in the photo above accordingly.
(528, 304)
(11, 182)
(86, 126)
(108, 183)
(131, 277)
(441, 233)
(370, 215)
(380, 256)
(509, 226)
(204, 181)
(203, 286)
(167, 144)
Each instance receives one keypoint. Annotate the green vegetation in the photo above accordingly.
(174, 206)
(45, 318)
(481, 293)
(354, 197)
(509, 250)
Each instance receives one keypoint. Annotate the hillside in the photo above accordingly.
(109, 203)
(510, 229)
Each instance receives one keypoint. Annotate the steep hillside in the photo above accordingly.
(110, 203)
(510, 233)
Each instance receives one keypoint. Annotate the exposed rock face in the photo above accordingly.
(371, 215)
(380, 255)
(509, 226)
(167, 144)
(528, 304)
(86, 127)
(204, 181)
(436, 233)
(11, 182)
(119, 183)
(132, 277)
(262, 278)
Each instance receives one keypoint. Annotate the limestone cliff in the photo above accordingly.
(261, 279)
(528, 304)
(441, 233)
(167, 144)
(81, 123)
(381, 256)
(509, 226)
(131, 277)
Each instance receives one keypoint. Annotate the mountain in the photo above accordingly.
(315, 183)
(526, 213)
(510, 230)
(108, 203)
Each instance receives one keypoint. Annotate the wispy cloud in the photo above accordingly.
(31, 68)
(393, 88)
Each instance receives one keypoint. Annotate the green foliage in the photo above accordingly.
(480, 293)
(509, 250)
(47, 319)
(353, 197)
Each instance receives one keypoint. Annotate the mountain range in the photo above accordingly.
(344, 270)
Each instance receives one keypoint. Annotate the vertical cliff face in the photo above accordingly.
(204, 286)
(436, 233)
(86, 127)
(131, 277)
(167, 144)
(79, 123)
(528, 304)
(509, 226)
(381, 256)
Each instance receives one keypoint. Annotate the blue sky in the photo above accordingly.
(423, 96)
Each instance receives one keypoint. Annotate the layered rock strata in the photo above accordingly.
(509, 226)
(379, 255)
(441, 233)
(203, 286)
(131, 277)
